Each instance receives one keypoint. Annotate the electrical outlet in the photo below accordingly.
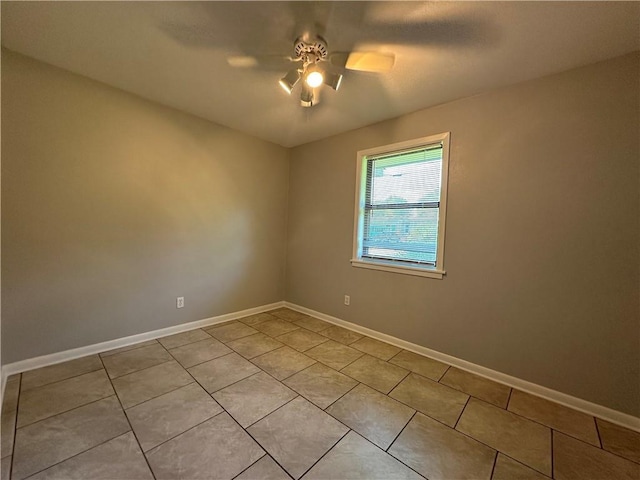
(347, 300)
(179, 302)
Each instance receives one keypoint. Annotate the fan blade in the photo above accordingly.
(266, 61)
(240, 61)
(364, 61)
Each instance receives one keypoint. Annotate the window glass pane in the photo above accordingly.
(408, 234)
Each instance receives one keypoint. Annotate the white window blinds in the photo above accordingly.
(402, 205)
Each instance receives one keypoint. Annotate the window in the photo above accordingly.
(400, 207)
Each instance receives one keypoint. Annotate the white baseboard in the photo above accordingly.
(605, 413)
(59, 357)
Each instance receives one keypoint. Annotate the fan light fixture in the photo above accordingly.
(314, 66)
(333, 80)
(310, 55)
(289, 80)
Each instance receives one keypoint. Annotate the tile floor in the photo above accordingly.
(282, 395)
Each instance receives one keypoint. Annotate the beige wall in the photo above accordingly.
(113, 206)
(542, 234)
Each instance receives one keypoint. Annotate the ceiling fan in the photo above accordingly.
(316, 66)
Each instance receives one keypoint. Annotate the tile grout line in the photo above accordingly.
(495, 462)
(155, 447)
(246, 431)
(15, 427)
(124, 412)
(443, 374)
(62, 379)
(509, 399)
(129, 348)
(138, 371)
(545, 426)
(366, 439)
(77, 455)
(187, 343)
(387, 450)
(400, 432)
(570, 435)
(156, 396)
(339, 398)
(598, 432)
(552, 466)
(64, 411)
(67, 411)
(273, 411)
(328, 450)
(324, 339)
(461, 412)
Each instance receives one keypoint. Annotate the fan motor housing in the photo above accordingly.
(318, 48)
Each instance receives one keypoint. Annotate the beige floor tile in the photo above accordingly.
(313, 324)
(140, 386)
(620, 440)
(252, 320)
(341, 335)
(254, 345)
(558, 417)
(276, 327)
(288, 314)
(119, 458)
(376, 348)
(440, 453)
(222, 372)
(5, 467)
(376, 373)
(264, 469)
(184, 338)
(355, 458)
(334, 354)
(297, 435)
(477, 386)
(133, 360)
(218, 445)
(162, 418)
(43, 402)
(8, 430)
(576, 460)
(283, 362)
(320, 384)
(128, 347)
(199, 352)
(373, 415)
(508, 469)
(519, 438)
(60, 371)
(421, 365)
(437, 401)
(11, 391)
(43, 444)
(231, 331)
(302, 339)
(253, 398)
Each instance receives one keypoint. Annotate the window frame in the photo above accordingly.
(407, 268)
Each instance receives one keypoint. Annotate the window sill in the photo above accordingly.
(395, 268)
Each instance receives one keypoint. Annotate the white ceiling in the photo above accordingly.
(175, 52)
